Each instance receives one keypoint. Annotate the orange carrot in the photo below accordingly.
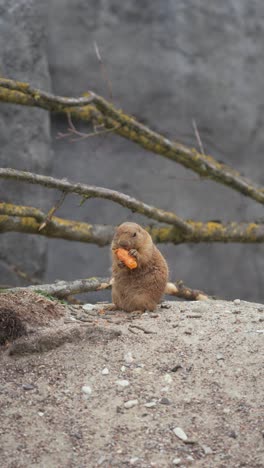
(128, 260)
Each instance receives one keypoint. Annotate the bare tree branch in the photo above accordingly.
(62, 289)
(95, 108)
(89, 191)
(28, 220)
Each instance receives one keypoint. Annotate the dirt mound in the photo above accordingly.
(22, 310)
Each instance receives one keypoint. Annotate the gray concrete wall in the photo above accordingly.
(24, 133)
(169, 62)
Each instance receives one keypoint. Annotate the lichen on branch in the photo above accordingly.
(27, 219)
(92, 107)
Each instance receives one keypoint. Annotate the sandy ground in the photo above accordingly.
(197, 366)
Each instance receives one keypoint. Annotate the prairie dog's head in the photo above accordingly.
(131, 236)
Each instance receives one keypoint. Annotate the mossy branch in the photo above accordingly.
(92, 107)
(89, 191)
(29, 219)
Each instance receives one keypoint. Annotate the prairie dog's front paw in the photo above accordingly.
(133, 252)
(121, 264)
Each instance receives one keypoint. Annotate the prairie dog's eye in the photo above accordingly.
(134, 235)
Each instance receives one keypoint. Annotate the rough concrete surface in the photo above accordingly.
(24, 132)
(196, 366)
(169, 62)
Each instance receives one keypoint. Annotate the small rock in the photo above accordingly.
(232, 434)
(122, 383)
(128, 358)
(28, 387)
(123, 368)
(190, 458)
(133, 460)
(130, 403)
(168, 378)
(226, 410)
(40, 413)
(176, 368)
(105, 371)
(165, 401)
(176, 461)
(207, 450)
(150, 404)
(188, 331)
(220, 357)
(164, 389)
(87, 390)
(178, 431)
(88, 307)
(237, 301)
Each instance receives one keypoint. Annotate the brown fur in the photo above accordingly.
(141, 288)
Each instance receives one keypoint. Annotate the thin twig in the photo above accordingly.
(104, 71)
(72, 130)
(198, 138)
(147, 332)
(52, 211)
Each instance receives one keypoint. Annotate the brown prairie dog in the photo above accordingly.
(142, 288)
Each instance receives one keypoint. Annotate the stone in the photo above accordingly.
(122, 383)
(130, 403)
(128, 358)
(88, 307)
(86, 389)
(176, 461)
(179, 432)
(165, 401)
(150, 404)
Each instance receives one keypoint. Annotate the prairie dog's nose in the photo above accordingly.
(123, 243)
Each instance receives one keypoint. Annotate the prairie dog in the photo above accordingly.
(142, 288)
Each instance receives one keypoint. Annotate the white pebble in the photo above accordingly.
(180, 433)
(130, 403)
(133, 460)
(219, 357)
(226, 411)
(122, 383)
(87, 390)
(207, 450)
(168, 378)
(237, 301)
(105, 371)
(164, 389)
(88, 307)
(151, 404)
(128, 358)
(176, 461)
(40, 413)
(123, 369)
